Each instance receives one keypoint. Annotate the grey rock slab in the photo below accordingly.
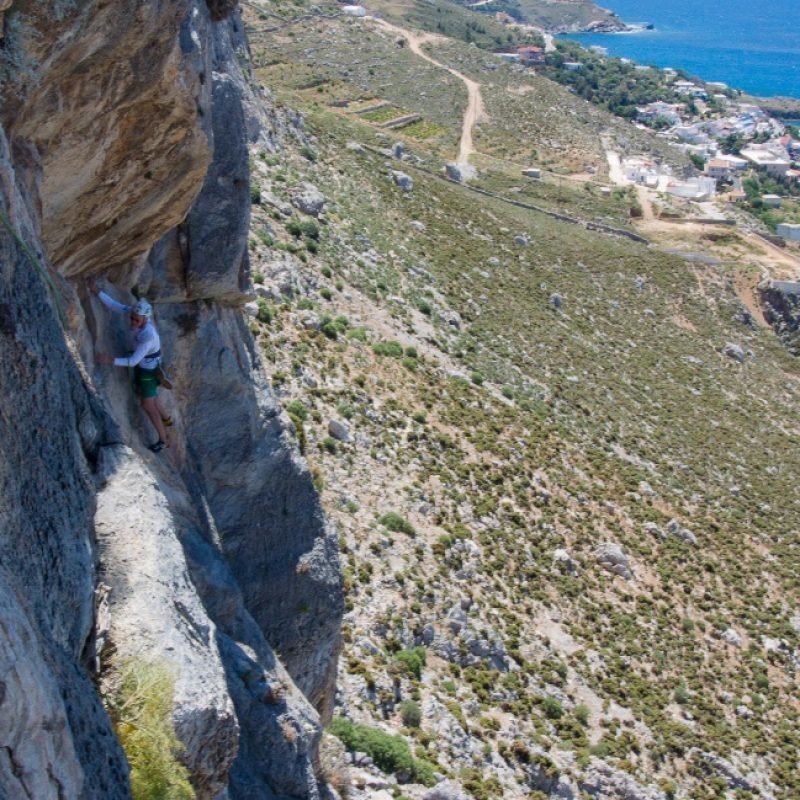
(611, 557)
(734, 351)
(308, 199)
(447, 790)
(403, 181)
(156, 614)
(37, 753)
(339, 430)
(453, 171)
(601, 780)
(218, 223)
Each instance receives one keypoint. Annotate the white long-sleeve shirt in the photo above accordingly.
(146, 341)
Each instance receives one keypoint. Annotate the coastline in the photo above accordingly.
(781, 103)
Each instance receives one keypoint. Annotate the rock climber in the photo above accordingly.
(144, 359)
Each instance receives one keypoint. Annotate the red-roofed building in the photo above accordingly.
(530, 55)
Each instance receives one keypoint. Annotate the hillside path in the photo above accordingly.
(474, 111)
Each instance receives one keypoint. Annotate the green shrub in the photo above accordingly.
(325, 293)
(390, 753)
(308, 152)
(141, 709)
(412, 661)
(298, 409)
(391, 348)
(346, 410)
(331, 327)
(265, 238)
(295, 228)
(681, 695)
(359, 334)
(425, 308)
(552, 708)
(397, 523)
(310, 229)
(410, 713)
(330, 444)
(264, 313)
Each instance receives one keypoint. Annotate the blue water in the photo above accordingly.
(750, 45)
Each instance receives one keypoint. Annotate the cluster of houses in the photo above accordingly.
(646, 172)
(769, 148)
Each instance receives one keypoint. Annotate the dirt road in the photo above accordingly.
(474, 111)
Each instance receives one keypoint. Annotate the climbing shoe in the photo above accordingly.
(157, 447)
(168, 421)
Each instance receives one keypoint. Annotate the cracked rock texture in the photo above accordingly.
(123, 157)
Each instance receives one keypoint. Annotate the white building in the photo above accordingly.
(697, 189)
(690, 89)
(718, 168)
(669, 112)
(773, 165)
(690, 133)
(789, 231)
(354, 11)
(640, 170)
(771, 200)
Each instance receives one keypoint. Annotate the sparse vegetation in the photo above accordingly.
(141, 708)
(508, 432)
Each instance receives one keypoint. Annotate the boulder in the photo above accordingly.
(674, 528)
(453, 172)
(402, 180)
(450, 318)
(732, 637)
(446, 790)
(308, 199)
(339, 430)
(610, 557)
(562, 559)
(601, 780)
(734, 351)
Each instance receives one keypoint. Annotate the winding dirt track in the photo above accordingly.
(474, 111)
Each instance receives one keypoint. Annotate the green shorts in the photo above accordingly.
(145, 381)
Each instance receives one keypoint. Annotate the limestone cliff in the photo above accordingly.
(123, 157)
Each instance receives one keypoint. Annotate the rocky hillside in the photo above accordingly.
(561, 463)
(123, 159)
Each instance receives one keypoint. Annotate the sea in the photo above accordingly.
(747, 44)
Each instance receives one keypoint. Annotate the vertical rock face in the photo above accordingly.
(216, 551)
(55, 738)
